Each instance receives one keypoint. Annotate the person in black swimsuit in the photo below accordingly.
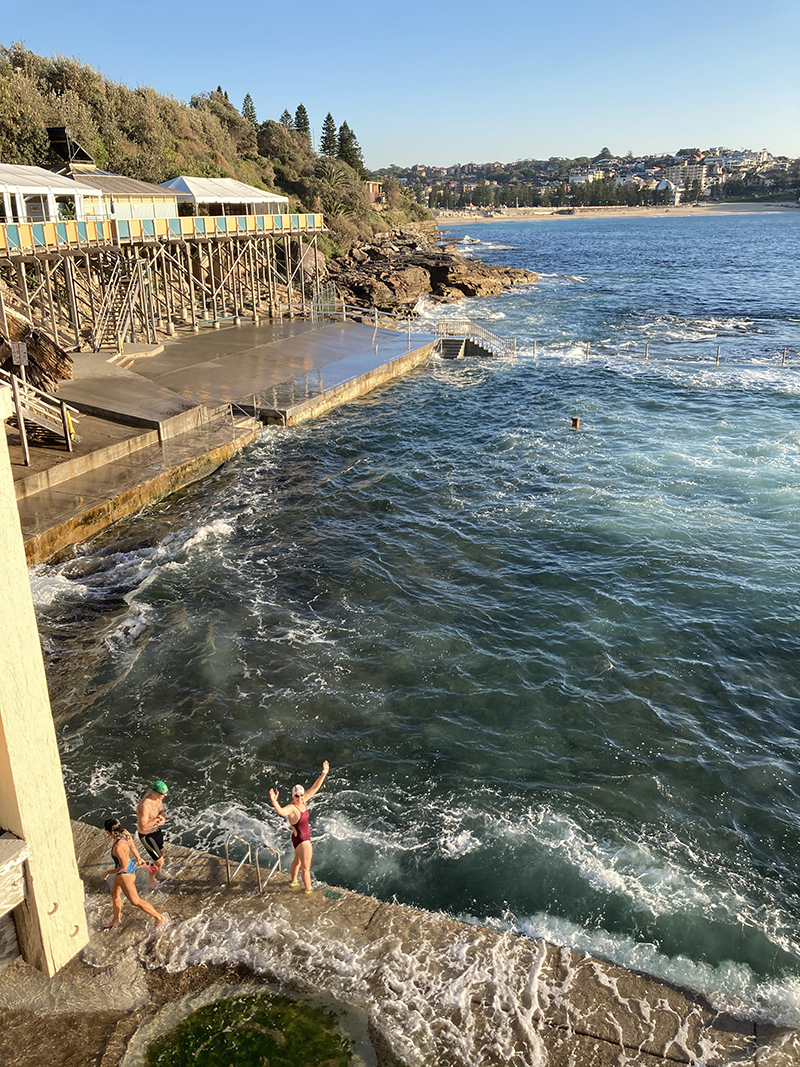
(124, 871)
(297, 814)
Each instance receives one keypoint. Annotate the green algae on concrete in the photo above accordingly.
(251, 1031)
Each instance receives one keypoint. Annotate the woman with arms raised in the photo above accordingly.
(297, 814)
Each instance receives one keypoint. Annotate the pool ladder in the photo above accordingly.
(253, 850)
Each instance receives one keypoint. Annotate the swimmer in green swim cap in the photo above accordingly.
(150, 817)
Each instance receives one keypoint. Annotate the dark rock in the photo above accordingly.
(397, 268)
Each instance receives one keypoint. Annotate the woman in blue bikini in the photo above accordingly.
(297, 814)
(124, 871)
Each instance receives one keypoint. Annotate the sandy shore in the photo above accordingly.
(455, 218)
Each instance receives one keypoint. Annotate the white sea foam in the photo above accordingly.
(48, 587)
(217, 530)
(729, 986)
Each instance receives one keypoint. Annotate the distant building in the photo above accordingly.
(686, 174)
(374, 192)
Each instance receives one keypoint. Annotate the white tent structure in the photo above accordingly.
(226, 196)
(33, 194)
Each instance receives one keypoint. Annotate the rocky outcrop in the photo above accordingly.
(394, 270)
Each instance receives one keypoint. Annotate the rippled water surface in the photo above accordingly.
(555, 673)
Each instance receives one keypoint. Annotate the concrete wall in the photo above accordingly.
(51, 922)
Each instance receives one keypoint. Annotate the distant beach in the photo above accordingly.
(466, 218)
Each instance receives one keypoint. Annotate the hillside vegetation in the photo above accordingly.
(144, 134)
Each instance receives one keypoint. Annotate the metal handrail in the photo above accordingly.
(276, 866)
(252, 852)
(46, 399)
(248, 856)
(499, 346)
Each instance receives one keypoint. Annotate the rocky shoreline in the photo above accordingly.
(394, 270)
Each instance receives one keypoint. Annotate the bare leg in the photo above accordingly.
(129, 889)
(295, 867)
(116, 902)
(303, 851)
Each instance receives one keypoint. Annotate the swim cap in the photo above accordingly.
(298, 791)
(159, 787)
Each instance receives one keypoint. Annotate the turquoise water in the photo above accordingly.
(555, 673)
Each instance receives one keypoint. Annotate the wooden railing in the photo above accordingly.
(18, 237)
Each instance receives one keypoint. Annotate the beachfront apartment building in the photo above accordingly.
(685, 175)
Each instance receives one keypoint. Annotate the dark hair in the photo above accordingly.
(113, 826)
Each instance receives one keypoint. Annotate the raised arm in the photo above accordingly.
(286, 812)
(318, 784)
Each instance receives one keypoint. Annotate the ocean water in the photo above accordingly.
(555, 673)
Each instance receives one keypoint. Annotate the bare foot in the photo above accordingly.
(108, 926)
(159, 920)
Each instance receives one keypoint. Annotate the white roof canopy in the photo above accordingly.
(36, 181)
(221, 191)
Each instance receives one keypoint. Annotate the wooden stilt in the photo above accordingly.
(69, 275)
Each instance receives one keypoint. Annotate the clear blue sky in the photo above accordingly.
(422, 82)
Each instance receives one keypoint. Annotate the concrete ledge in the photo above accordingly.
(357, 386)
(71, 468)
(182, 423)
(82, 506)
(434, 990)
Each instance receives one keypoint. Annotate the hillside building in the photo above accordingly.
(33, 194)
(223, 196)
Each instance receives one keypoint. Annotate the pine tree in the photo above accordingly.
(329, 141)
(249, 110)
(286, 119)
(301, 123)
(349, 150)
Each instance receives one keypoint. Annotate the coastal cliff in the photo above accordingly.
(394, 270)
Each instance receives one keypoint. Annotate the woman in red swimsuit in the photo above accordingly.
(297, 814)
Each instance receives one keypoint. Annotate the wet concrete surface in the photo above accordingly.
(281, 365)
(432, 989)
(72, 510)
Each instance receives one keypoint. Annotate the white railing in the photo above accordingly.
(492, 342)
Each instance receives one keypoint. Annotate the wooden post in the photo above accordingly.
(90, 286)
(23, 288)
(783, 361)
(302, 271)
(190, 272)
(167, 294)
(646, 352)
(587, 350)
(718, 350)
(213, 280)
(20, 421)
(73, 303)
(534, 350)
(67, 427)
(3, 317)
(49, 287)
(253, 287)
(316, 267)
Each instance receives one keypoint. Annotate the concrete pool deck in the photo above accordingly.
(432, 989)
(174, 412)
